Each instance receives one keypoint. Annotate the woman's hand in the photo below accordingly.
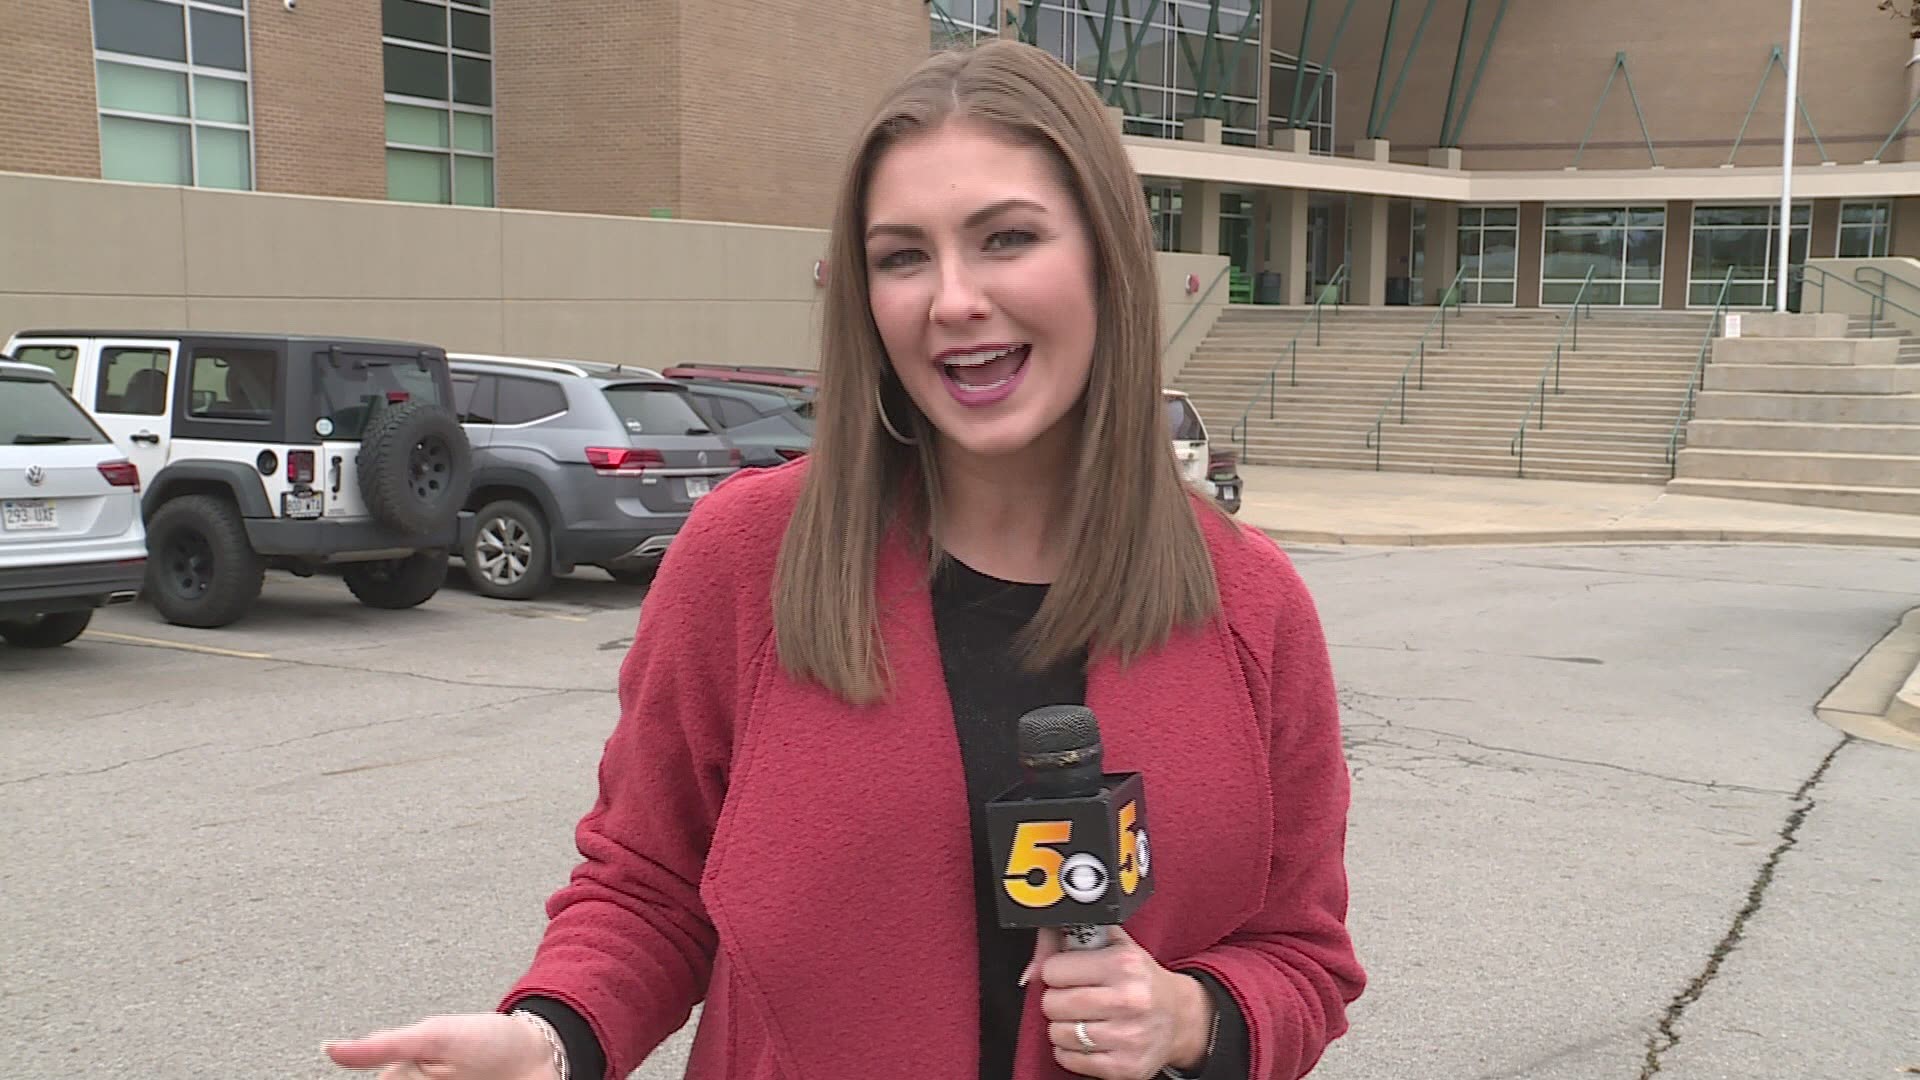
(1138, 1015)
(473, 1046)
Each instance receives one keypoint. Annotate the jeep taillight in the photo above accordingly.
(121, 473)
(622, 460)
(299, 466)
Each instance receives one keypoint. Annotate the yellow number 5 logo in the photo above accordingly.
(1130, 868)
(1032, 850)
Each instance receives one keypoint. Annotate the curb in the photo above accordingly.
(1514, 537)
(1879, 699)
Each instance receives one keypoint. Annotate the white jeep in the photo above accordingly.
(278, 451)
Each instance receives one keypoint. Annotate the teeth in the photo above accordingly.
(975, 359)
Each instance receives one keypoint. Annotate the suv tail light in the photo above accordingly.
(397, 397)
(622, 460)
(121, 473)
(299, 466)
(733, 457)
(1221, 464)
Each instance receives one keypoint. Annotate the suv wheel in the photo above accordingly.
(45, 631)
(510, 556)
(200, 569)
(415, 465)
(397, 583)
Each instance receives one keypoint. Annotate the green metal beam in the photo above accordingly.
(1772, 59)
(1300, 63)
(1320, 81)
(1105, 32)
(1419, 31)
(1208, 51)
(1473, 88)
(1619, 68)
(1459, 56)
(1880, 154)
(1230, 62)
(1380, 76)
(1127, 70)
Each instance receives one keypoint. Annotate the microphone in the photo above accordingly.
(1068, 833)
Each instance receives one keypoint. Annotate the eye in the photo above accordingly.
(899, 259)
(1010, 238)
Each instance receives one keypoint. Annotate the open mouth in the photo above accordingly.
(986, 375)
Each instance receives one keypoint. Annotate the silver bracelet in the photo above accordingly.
(546, 1031)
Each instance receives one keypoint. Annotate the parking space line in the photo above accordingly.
(183, 646)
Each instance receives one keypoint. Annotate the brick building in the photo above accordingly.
(1514, 145)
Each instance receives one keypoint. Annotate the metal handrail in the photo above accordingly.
(1419, 355)
(1699, 376)
(1198, 304)
(1239, 432)
(1884, 278)
(1877, 303)
(1518, 445)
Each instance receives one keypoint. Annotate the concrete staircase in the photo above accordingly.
(1859, 325)
(1620, 392)
(1793, 412)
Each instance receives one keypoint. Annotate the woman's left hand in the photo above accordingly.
(1138, 1015)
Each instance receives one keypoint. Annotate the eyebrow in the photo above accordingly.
(974, 220)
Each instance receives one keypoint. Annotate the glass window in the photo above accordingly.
(62, 360)
(355, 387)
(151, 28)
(1183, 423)
(414, 177)
(233, 384)
(649, 409)
(1489, 240)
(474, 397)
(145, 151)
(219, 40)
(170, 114)
(522, 401)
(1866, 229)
(439, 83)
(1745, 240)
(133, 382)
(34, 412)
(1624, 247)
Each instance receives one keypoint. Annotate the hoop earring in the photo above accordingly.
(880, 403)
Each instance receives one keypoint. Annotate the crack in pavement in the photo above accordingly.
(1664, 1037)
(318, 665)
(106, 768)
(405, 719)
(1608, 765)
(1653, 575)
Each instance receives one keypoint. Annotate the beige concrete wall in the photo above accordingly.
(1185, 320)
(653, 292)
(1695, 67)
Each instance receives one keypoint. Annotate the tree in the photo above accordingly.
(1904, 9)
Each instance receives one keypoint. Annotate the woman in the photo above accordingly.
(823, 690)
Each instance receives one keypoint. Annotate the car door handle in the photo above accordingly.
(147, 437)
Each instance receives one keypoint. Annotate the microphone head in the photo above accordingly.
(1059, 737)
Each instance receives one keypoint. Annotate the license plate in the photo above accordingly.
(20, 515)
(295, 505)
(1228, 491)
(698, 486)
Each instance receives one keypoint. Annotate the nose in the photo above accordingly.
(957, 296)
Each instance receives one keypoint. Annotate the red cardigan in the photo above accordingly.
(805, 866)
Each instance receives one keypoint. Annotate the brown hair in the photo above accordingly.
(1139, 566)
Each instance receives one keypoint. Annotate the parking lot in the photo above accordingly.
(1597, 830)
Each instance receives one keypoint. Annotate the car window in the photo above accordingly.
(133, 381)
(1184, 422)
(64, 360)
(648, 409)
(522, 401)
(731, 412)
(351, 386)
(474, 397)
(35, 412)
(233, 384)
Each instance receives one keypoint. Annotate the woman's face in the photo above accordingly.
(980, 276)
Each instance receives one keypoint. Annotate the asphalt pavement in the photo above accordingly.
(1598, 831)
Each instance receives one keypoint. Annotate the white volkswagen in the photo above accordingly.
(71, 539)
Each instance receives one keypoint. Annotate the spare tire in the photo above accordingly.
(415, 465)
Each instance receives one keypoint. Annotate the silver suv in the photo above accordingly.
(576, 464)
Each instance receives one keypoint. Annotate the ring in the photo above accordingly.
(1080, 1032)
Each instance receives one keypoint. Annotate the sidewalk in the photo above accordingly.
(1332, 506)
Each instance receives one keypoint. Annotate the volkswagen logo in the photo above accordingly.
(703, 457)
(36, 475)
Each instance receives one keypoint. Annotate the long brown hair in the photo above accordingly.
(1138, 565)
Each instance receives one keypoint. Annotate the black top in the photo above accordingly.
(976, 618)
